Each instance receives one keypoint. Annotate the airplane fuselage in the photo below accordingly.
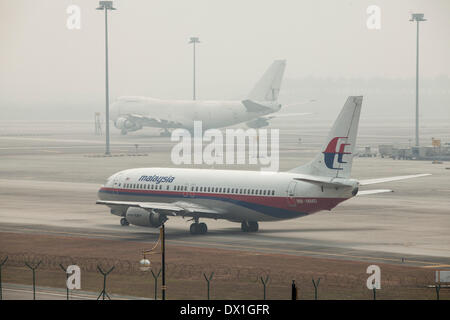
(235, 195)
(148, 196)
(182, 113)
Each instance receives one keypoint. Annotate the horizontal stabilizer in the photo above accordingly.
(388, 179)
(367, 192)
(329, 181)
(295, 104)
(284, 115)
(254, 107)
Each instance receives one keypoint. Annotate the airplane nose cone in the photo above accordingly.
(100, 193)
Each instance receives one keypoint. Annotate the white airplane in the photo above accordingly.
(148, 196)
(134, 113)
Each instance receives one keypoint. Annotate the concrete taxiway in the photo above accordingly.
(48, 185)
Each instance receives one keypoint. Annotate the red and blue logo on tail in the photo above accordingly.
(330, 152)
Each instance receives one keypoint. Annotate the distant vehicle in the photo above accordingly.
(367, 153)
(386, 150)
(148, 196)
(389, 151)
(134, 113)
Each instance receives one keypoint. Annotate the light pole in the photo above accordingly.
(417, 17)
(163, 260)
(145, 263)
(106, 5)
(194, 40)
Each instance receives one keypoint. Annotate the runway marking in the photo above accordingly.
(71, 295)
(50, 151)
(317, 253)
(438, 266)
(88, 235)
(49, 293)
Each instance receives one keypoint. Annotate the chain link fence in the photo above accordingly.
(190, 276)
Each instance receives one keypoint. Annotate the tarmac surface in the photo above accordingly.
(50, 174)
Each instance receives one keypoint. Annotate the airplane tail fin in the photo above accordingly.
(336, 156)
(268, 87)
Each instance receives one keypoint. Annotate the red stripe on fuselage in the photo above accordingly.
(297, 204)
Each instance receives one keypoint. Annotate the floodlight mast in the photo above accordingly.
(418, 17)
(194, 40)
(106, 5)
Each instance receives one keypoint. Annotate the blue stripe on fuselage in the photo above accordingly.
(270, 211)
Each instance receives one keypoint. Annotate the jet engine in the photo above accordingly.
(258, 123)
(144, 218)
(126, 125)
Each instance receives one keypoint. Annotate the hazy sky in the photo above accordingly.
(43, 62)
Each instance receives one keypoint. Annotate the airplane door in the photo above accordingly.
(291, 193)
(117, 183)
(186, 191)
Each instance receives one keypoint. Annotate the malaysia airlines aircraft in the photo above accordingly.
(134, 113)
(148, 196)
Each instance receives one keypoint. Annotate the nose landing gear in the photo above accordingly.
(249, 226)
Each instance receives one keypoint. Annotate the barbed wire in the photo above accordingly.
(242, 274)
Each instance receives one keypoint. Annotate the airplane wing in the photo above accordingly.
(160, 206)
(152, 121)
(367, 192)
(179, 208)
(289, 105)
(380, 180)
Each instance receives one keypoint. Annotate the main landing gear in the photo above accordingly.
(198, 228)
(249, 226)
(124, 222)
(165, 133)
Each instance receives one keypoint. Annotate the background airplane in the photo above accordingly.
(261, 105)
(148, 196)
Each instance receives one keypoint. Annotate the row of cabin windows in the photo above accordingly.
(234, 190)
(202, 189)
(143, 186)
